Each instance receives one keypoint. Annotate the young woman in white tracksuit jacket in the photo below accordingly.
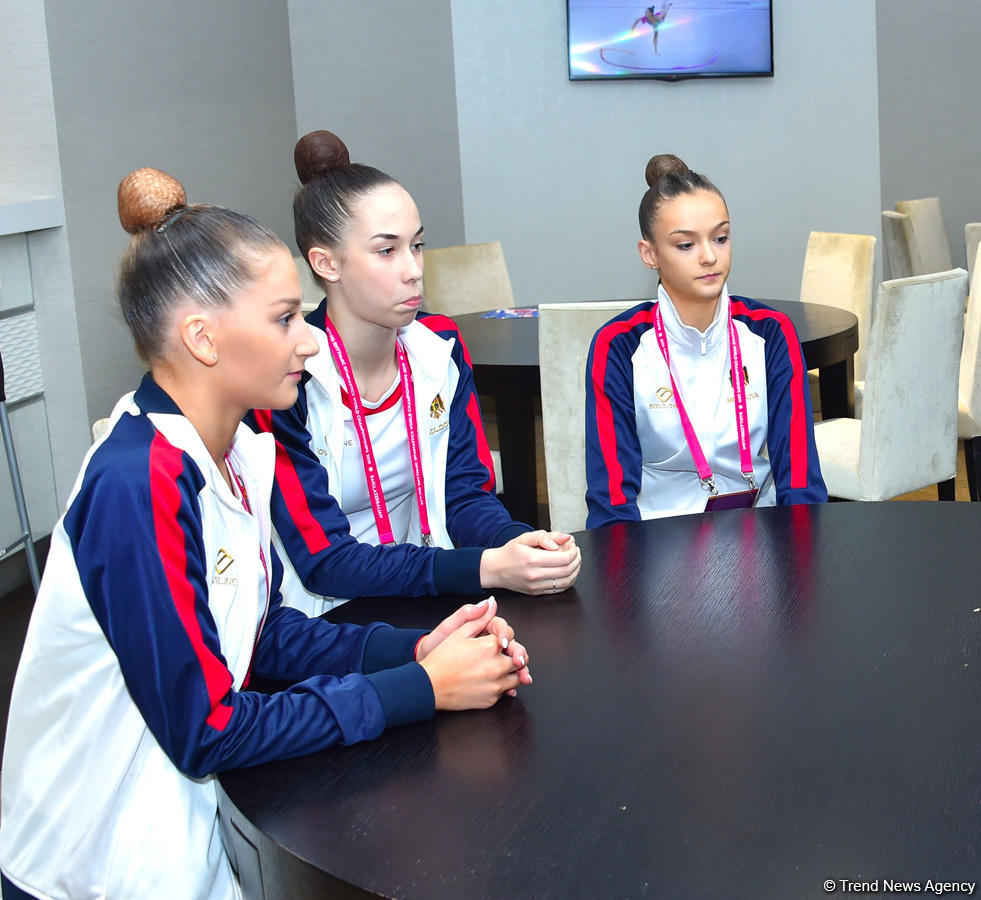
(640, 454)
(345, 477)
(161, 595)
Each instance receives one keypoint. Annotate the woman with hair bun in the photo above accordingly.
(697, 400)
(385, 442)
(161, 596)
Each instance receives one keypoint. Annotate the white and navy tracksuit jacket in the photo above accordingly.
(638, 465)
(309, 496)
(154, 610)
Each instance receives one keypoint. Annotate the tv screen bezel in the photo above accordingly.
(652, 76)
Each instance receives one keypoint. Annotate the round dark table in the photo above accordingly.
(732, 704)
(505, 360)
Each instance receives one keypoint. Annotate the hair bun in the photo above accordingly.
(319, 152)
(661, 165)
(146, 197)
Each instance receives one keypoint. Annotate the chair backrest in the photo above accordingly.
(929, 234)
(899, 255)
(972, 238)
(468, 278)
(909, 417)
(565, 331)
(100, 427)
(970, 377)
(312, 292)
(839, 270)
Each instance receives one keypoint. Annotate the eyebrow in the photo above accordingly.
(393, 237)
(721, 224)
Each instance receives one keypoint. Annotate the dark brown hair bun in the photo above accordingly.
(661, 165)
(319, 152)
(146, 197)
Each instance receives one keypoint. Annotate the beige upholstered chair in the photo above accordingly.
(565, 331)
(907, 436)
(839, 270)
(929, 234)
(900, 258)
(969, 392)
(464, 279)
(313, 293)
(972, 238)
(100, 427)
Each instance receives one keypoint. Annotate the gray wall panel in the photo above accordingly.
(201, 90)
(381, 76)
(929, 70)
(29, 172)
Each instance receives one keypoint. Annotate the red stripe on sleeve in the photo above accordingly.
(605, 426)
(437, 323)
(166, 466)
(483, 450)
(310, 529)
(798, 421)
(295, 497)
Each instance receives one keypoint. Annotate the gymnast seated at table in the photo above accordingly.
(695, 400)
(161, 596)
(385, 443)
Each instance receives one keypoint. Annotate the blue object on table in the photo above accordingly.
(525, 313)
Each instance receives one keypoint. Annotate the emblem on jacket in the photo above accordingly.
(437, 407)
(745, 374)
(222, 564)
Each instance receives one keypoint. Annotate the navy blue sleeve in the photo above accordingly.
(293, 647)
(142, 516)
(474, 515)
(613, 455)
(317, 537)
(790, 442)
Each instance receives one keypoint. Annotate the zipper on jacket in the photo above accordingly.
(704, 343)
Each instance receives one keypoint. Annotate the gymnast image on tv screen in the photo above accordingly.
(670, 40)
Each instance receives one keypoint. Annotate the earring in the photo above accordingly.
(333, 278)
(214, 356)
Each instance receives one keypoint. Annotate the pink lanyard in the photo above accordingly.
(262, 559)
(375, 493)
(248, 509)
(738, 379)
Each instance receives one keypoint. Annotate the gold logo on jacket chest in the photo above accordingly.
(223, 563)
(666, 397)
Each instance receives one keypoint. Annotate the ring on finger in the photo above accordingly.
(554, 588)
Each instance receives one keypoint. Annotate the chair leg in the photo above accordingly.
(945, 489)
(972, 462)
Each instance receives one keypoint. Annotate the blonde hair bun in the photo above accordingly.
(146, 197)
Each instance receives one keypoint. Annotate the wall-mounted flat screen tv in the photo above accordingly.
(609, 39)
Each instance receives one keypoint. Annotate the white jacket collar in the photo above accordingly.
(253, 456)
(428, 353)
(688, 335)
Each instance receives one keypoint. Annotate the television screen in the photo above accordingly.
(671, 40)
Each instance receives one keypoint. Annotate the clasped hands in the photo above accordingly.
(472, 658)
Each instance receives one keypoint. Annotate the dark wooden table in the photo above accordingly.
(505, 358)
(734, 704)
